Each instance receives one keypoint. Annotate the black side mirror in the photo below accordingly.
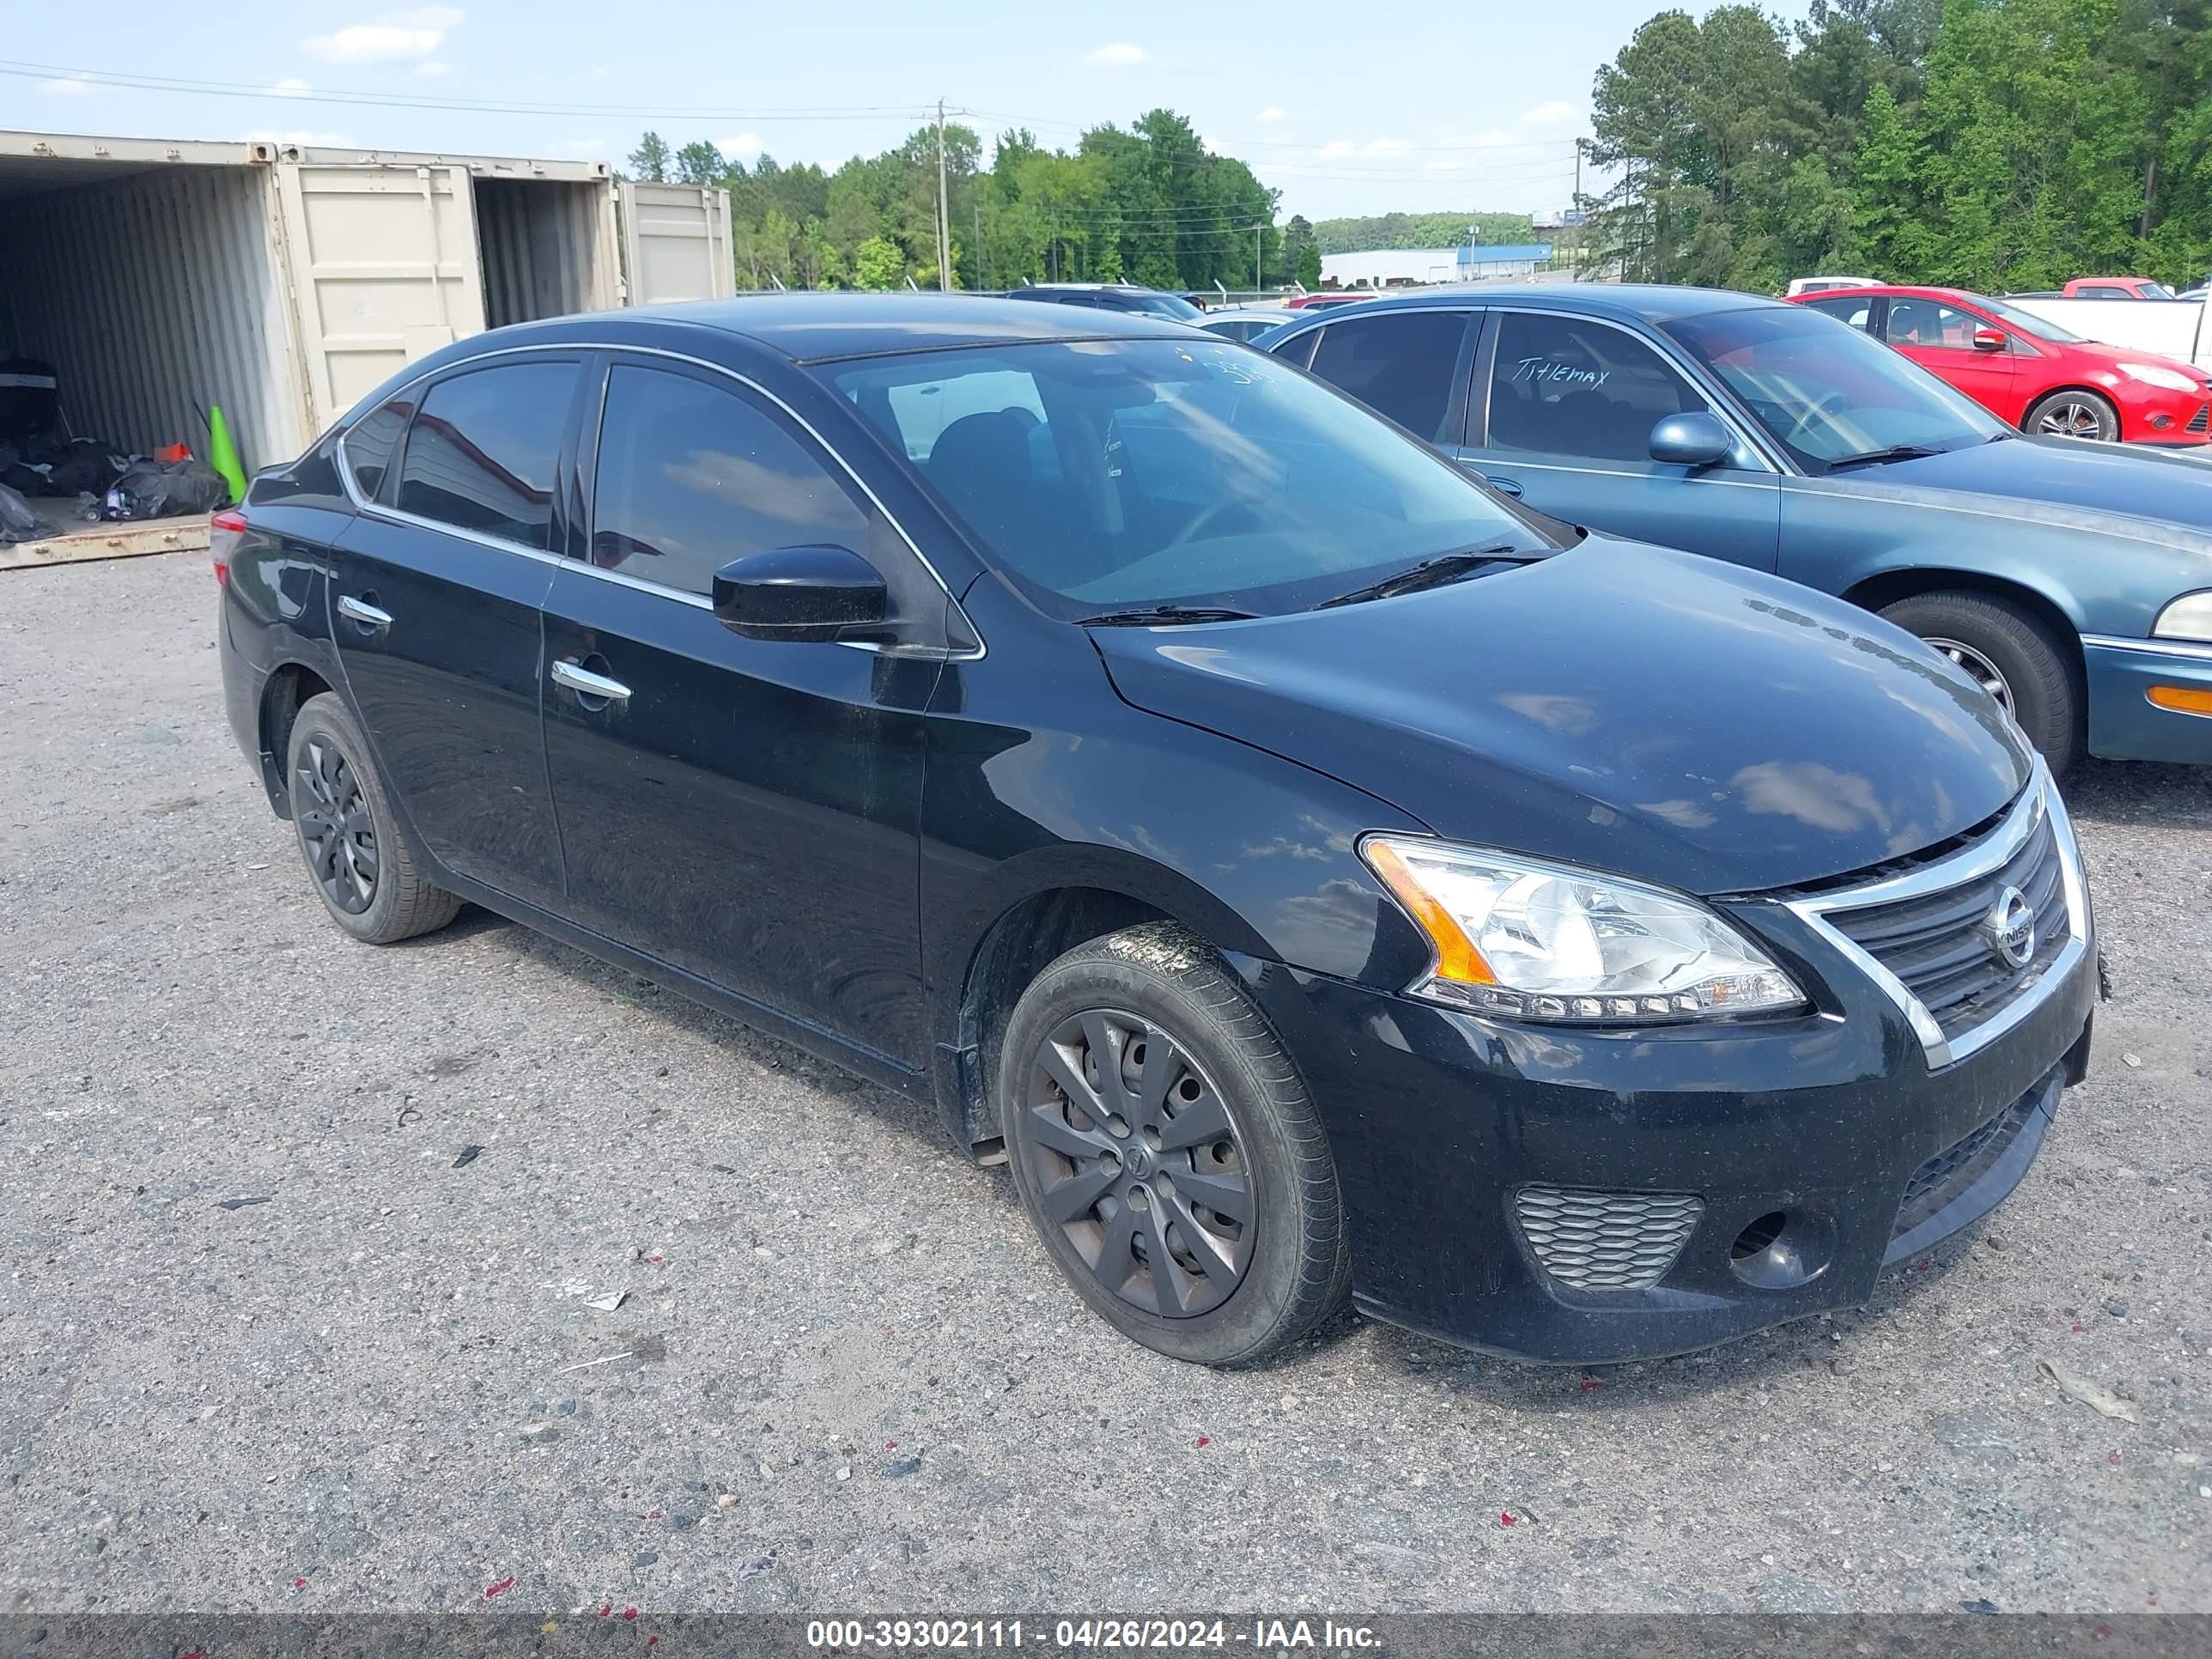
(809, 593)
(1691, 440)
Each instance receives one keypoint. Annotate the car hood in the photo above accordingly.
(1650, 713)
(2169, 494)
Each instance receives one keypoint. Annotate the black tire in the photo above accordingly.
(2037, 668)
(372, 887)
(1154, 983)
(2073, 415)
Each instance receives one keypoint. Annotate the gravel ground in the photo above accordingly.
(844, 1375)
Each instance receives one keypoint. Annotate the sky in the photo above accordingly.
(1345, 110)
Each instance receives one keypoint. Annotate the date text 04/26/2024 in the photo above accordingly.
(1261, 1636)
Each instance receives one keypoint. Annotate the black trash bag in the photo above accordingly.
(85, 464)
(161, 489)
(18, 523)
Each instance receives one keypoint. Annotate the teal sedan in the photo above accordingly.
(2071, 580)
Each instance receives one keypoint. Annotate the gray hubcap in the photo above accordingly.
(2071, 417)
(1978, 668)
(1137, 1163)
(336, 832)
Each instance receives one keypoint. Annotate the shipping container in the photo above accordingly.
(281, 283)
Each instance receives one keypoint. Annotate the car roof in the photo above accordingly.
(1964, 295)
(811, 328)
(1649, 302)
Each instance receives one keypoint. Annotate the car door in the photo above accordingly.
(1940, 339)
(435, 591)
(744, 810)
(1561, 416)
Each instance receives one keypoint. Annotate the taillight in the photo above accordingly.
(226, 529)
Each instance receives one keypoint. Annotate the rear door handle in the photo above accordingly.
(366, 615)
(584, 683)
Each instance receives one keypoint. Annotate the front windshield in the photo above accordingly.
(2040, 328)
(1111, 475)
(1828, 392)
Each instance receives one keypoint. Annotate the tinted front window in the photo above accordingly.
(1105, 475)
(370, 440)
(481, 454)
(1566, 385)
(1826, 393)
(692, 476)
(1932, 326)
(1401, 365)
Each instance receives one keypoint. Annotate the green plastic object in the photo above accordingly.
(223, 454)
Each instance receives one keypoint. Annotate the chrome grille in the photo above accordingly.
(1594, 1240)
(1939, 945)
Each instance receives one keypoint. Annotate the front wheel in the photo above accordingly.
(1167, 1152)
(2012, 654)
(2073, 415)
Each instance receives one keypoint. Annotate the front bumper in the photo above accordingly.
(1776, 1167)
(2123, 723)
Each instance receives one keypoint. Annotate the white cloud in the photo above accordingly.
(396, 36)
(68, 87)
(299, 136)
(293, 87)
(1372, 147)
(1557, 113)
(433, 68)
(1118, 55)
(1268, 117)
(743, 148)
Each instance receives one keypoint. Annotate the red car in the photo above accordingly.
(2034, 374)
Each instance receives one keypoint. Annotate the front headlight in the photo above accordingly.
(2158, 374)
(2189, 617)
(1531, 940)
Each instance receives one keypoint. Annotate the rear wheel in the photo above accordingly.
(2073, 415)
(365, 875)
(2012, 654)
(1167, 1152)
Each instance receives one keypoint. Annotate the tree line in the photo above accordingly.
(1146, 204)
(1992, 144)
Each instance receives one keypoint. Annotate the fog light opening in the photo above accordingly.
(1783, 1249)
(1758, 1237)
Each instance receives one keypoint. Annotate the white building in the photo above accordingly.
(1394, 267)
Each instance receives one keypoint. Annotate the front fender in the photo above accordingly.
(2105, 572)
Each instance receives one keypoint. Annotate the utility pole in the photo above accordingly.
(1258, 231)
(982, 274)
(944, 213)
(1575, 254)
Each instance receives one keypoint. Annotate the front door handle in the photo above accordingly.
(588, 685)
(1503, 486)
(361, 611)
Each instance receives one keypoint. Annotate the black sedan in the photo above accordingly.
(1311, 872)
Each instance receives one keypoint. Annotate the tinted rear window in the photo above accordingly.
(481, 454)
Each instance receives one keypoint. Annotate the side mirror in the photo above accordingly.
(1693, 440)
(1989, 339)
(807, 593)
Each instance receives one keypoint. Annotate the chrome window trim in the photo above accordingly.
(698, 601)
(2038, 801)
(2156, 646)
(1718, 406)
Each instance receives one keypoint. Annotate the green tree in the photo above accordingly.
(649, 160)
(698, 163)
(1888, 234)
(878, 264)
(1308, 271)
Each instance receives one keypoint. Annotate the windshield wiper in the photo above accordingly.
(1894, 452)
(1436, 573)
(1164, 615)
